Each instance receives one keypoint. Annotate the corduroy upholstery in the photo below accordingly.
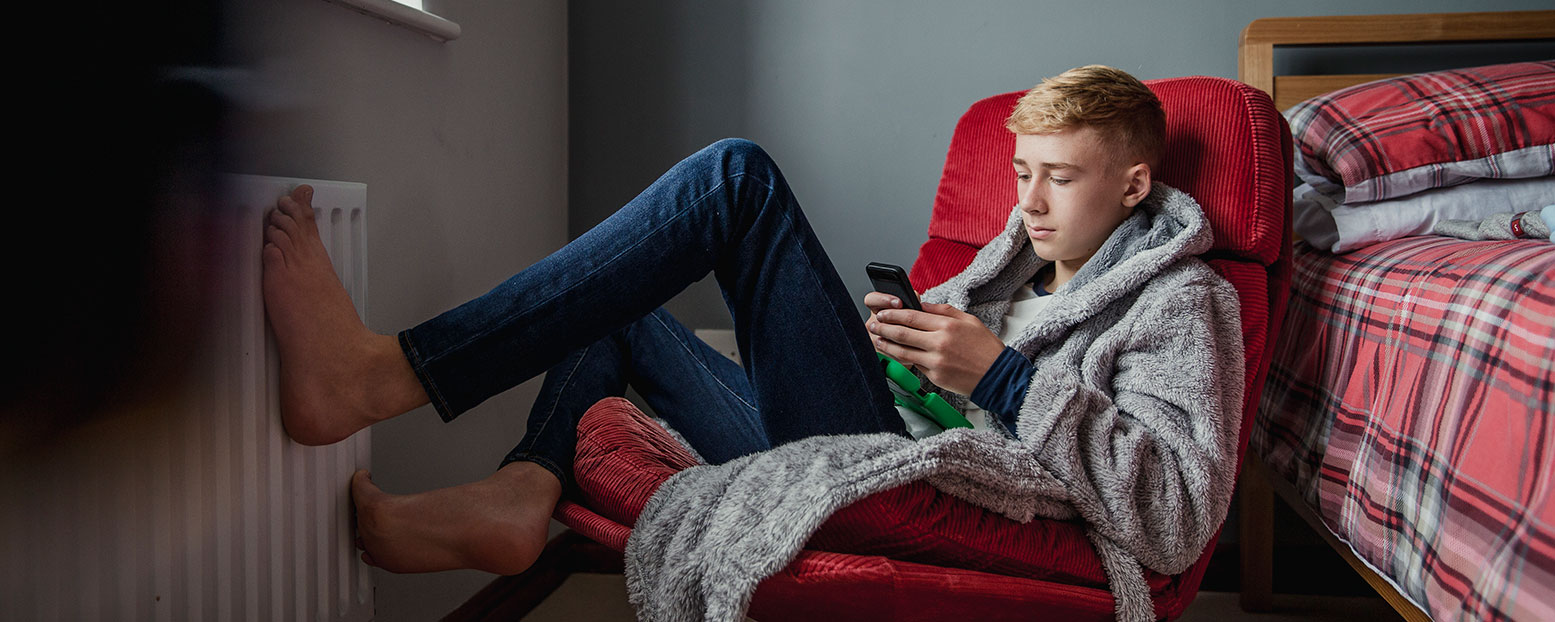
(1214, 127)
(913, 552)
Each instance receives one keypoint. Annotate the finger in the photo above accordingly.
(941, 309)
(903, 335)
(878, 300)
(903, 354)
(909, 317)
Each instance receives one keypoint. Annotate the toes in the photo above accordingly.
(364, 493)
(278, 239)
(363, 490)
(271, 256)
(298, 204)
(292, 207)
(287, 222)
(304, 194)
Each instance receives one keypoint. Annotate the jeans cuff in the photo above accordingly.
(546, 463)
(419, 368)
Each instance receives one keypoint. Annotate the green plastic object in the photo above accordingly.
(909, 392)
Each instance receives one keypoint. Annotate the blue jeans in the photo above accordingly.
(589, 315)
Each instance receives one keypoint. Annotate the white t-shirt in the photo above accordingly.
(1025, 306)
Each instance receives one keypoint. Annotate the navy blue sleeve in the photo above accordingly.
(1003, 388)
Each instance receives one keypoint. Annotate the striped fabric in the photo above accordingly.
(1395, 137)
(1412, 402)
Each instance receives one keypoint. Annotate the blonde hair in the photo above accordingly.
(1118, 106)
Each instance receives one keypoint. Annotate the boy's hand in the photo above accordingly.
(950, 346)
(877, 302)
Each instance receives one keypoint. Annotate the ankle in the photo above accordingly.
(529, 477)
(393, 388)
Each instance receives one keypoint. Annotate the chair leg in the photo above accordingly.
(1257, 546)
(513, 597)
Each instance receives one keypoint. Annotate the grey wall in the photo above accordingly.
(463, 148)
(856, 100)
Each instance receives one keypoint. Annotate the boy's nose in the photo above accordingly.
(1031, 201)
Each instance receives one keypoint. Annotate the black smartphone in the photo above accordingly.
(892, 279)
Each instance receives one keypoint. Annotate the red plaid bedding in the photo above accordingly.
(1411, 400)
(1399, 136)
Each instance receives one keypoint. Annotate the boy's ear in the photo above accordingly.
(1138, 177)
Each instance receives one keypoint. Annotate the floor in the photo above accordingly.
(602, 598)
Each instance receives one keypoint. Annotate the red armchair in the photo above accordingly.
(913, 553)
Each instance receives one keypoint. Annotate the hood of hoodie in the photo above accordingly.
(1165, 228)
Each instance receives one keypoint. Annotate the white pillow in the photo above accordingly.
(1343, 228)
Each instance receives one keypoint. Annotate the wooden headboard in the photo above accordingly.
(1255, 52)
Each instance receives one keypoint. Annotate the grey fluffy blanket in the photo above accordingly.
(1131, 423)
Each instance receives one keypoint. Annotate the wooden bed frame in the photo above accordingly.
(1255, 66)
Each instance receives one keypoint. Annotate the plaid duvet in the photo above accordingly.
(1411, 400)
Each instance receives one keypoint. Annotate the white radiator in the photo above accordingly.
(201, 509)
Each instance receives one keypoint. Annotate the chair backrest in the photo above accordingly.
(1226, 146)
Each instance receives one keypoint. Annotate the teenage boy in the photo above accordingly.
(1107, 355)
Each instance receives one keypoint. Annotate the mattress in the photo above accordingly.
(1410, 402)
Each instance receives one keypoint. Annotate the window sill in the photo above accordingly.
(412, 18)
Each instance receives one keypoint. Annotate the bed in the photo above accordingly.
(1409, 413)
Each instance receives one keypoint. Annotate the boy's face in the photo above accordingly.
(1072, 194)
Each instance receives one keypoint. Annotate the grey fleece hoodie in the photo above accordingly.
(1130, 422)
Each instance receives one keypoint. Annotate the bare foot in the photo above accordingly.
(498, 524)
(337, 376)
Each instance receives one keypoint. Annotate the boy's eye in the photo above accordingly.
(1023, 176)
(1057, 181)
